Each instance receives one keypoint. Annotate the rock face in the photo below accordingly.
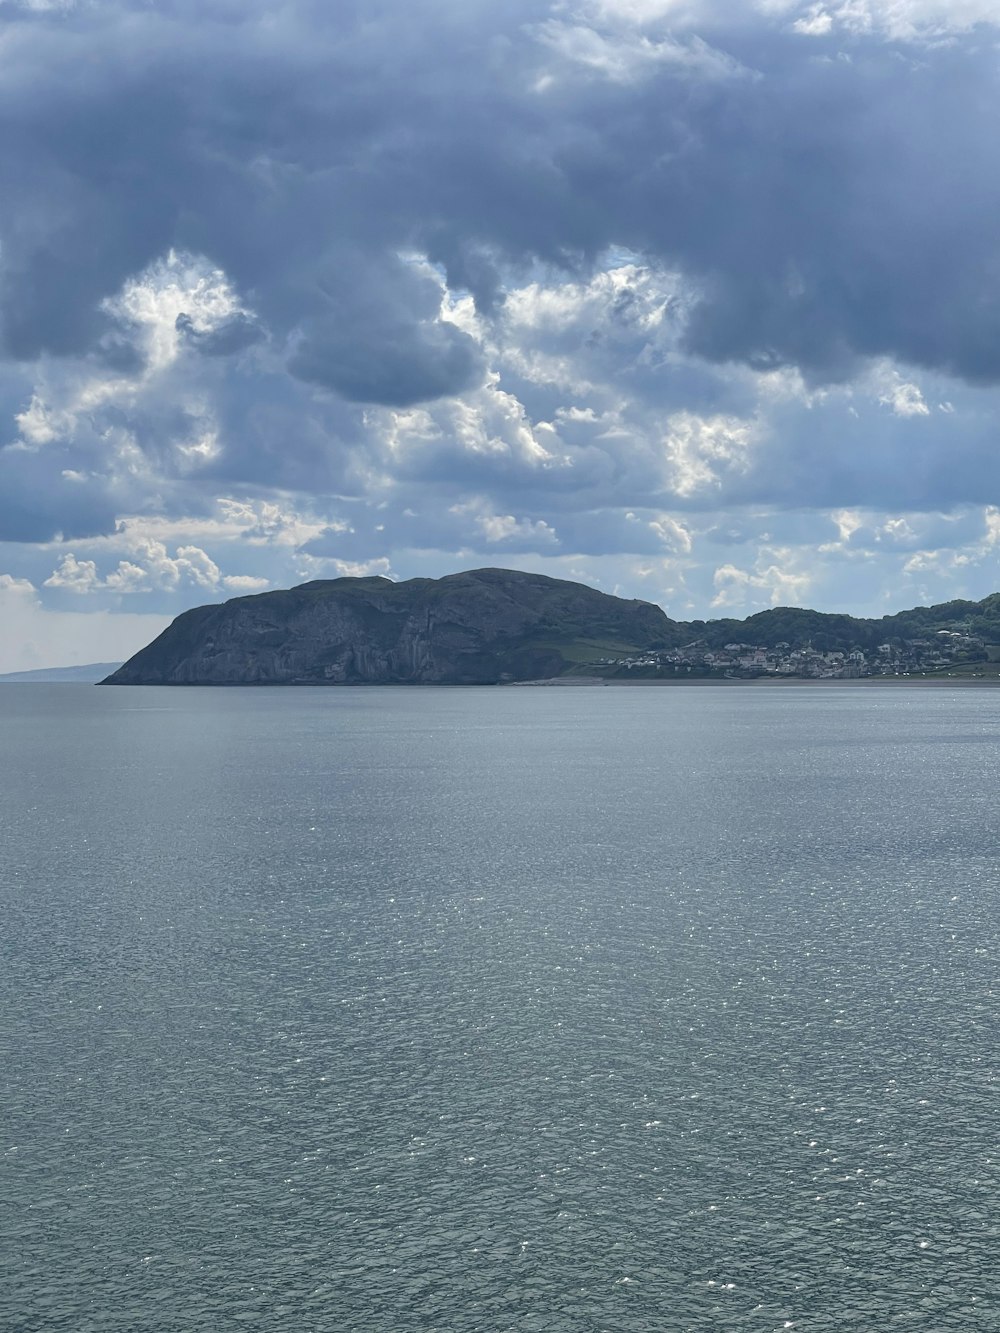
(482, 627)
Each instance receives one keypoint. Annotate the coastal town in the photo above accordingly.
(899, 657)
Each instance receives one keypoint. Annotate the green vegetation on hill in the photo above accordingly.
(835, 632)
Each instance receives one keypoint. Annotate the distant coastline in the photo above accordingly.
(88, 674)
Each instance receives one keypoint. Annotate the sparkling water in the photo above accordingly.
(499, 1009)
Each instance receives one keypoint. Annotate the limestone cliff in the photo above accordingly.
(482, 627)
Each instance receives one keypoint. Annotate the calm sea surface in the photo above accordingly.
(524, 1009)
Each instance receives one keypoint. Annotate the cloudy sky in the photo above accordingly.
(693, 300)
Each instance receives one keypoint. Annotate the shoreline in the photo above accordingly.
(767, 682)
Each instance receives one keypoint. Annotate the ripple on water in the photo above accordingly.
(488, 1010)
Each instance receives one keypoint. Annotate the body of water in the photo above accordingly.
(527, 1009)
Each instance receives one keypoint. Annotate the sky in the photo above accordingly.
(696, 301)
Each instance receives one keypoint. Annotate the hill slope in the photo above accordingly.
(480, 627)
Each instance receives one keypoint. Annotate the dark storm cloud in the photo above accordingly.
(379, 340)
(859, 223)
(827, 208)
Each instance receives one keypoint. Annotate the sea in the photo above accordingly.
(596, 1010)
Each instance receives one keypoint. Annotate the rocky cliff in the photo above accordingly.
(482, 627)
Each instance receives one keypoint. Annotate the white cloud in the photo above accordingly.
(40, 424)
(777, 583)
(151, 568)
(127, 578)
(272, 522)
(259, 523)
(701, 449)
(899, 20)
(245, 583)
(178, 285)
(866, 534)
(71, 401)
(489, 424)
(898, 531)
(79, 576)
(991, 518)
(203, 448)
(902, 396)
(921, 562)
(630, 294)
(496, 422)
(671, 533)
(14, 587)
(505, 527)
(816, 23)
(359, 569)
(848, 521)
(625, 56)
